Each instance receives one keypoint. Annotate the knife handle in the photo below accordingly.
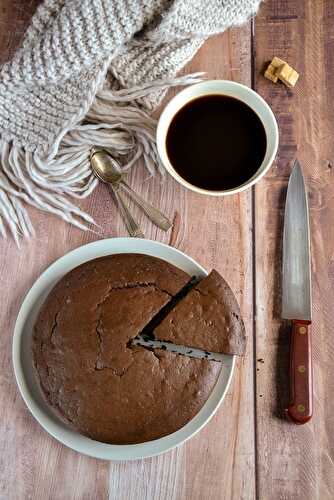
(301, 373)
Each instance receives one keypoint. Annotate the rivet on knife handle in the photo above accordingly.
(301, 377)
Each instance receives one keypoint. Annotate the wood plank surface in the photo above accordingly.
(296, 462)
(248, 450)
(219, 463)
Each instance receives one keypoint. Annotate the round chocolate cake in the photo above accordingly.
(89, 371)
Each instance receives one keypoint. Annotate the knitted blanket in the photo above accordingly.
(89, 72)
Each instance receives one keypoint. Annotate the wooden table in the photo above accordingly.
(248, 450)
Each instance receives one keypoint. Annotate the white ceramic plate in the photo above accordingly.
(23, 364)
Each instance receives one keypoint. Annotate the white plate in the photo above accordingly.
(23, 364)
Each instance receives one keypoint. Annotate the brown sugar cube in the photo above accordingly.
(277, 62)
(271, 71)
(287, 75)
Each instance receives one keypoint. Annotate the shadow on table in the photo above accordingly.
(282, 378)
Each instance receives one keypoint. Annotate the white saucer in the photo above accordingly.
(23, 364)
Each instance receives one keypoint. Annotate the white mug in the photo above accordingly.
(227, 88)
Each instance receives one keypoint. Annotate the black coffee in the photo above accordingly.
(216, 142)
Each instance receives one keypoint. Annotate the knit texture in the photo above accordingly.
(85, 74)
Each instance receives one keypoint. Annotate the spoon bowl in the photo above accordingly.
(103, 166)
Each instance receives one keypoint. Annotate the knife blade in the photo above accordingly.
(296, 296)
(179, 349)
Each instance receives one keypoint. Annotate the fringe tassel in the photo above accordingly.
(115, 122)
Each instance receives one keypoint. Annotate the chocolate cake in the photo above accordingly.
(87, 368)
(208, 318)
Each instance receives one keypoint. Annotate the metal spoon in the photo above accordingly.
(100, 162)
(112, 174)
(158, 218)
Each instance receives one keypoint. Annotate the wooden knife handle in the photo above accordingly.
(301, 373)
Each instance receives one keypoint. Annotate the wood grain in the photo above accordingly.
(219, 462)
(14, 19)
(296, 462)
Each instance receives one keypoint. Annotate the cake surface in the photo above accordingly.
(90, 374)
(207, 318)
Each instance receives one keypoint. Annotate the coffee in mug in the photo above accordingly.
(216, 142)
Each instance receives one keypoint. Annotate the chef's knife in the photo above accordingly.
(296, 299)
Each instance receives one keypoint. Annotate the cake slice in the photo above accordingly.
(207, 318)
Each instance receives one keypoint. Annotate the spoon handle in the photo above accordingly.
(157, 217)
(131, 225)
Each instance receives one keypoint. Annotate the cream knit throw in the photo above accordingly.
(88, 73)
